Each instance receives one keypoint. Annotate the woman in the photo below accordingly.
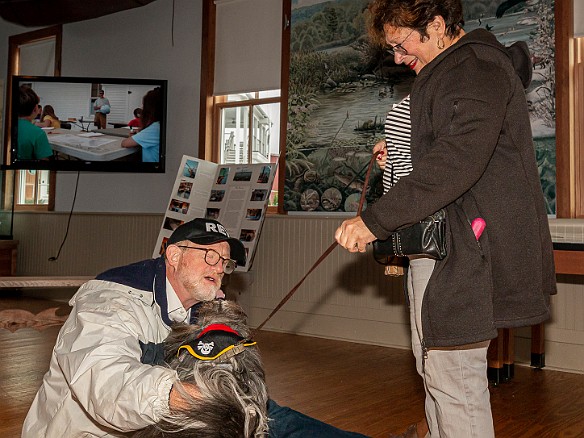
(49, 119)
(472, 154)
(395, 159)
(149, 136)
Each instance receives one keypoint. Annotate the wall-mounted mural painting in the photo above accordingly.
(341, 87)
(531, 21)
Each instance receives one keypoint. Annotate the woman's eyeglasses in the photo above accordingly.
(398, 48)
(212, 257)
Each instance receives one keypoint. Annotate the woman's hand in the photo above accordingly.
(129, 142)
(43, 124)
(382, 157)
(353, 235)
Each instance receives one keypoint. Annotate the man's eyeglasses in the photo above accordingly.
(398, 48)
(212, 257)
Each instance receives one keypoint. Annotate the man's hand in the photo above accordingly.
(179, 397)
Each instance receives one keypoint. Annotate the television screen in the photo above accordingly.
(93, 124)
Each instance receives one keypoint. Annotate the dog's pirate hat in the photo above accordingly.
(216, 342)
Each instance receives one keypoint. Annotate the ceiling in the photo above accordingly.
(34, 13)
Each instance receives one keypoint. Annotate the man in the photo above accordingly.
(100, 381)
(102, 109)
(33, 143)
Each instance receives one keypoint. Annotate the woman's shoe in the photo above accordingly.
(416, 430)
(410, 432)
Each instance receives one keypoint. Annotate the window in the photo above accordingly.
(237, 142)
(33, 187)
(239, 124)
(32, 53)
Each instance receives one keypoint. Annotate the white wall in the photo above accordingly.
(137, 43)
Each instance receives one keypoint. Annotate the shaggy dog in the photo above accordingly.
(218, 355)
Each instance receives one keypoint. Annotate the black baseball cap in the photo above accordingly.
(207, 232)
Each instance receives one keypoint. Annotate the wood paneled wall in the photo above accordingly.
(95, 242)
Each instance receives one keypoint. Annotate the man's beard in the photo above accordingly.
(199, 288)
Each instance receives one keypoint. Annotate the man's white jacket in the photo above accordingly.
(97, 384)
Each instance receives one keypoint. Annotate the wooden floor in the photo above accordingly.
(368, 389)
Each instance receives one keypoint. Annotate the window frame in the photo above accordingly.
(564, 173)
(34, 206)
(209, 115)
(578, 51)
(221, 103)
(14, 41)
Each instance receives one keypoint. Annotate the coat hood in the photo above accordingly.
(518, 52)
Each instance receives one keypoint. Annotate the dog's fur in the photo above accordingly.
(234, 396)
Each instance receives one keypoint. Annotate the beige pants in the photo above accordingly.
(455, 379)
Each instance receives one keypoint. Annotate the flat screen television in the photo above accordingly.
(95, 119)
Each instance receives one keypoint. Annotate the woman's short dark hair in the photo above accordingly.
(413, 14)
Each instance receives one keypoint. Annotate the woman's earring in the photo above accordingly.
(440, 43)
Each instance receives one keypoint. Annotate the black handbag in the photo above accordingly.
(426, 238)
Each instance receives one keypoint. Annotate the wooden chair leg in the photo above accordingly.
(501, 354)
(537, 346)
(508, 354)
(495, 359)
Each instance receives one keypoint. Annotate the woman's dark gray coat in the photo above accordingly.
(472, 152)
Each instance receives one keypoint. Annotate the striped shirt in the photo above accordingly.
(397, 140)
